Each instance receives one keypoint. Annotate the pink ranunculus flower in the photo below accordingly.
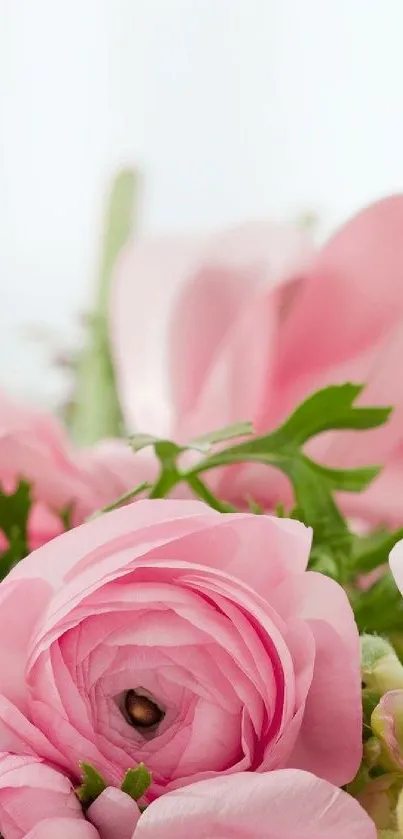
(258, 325)
(196, 642)
(35, 447)
(37, 802)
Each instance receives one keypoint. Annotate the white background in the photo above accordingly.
(232, 108)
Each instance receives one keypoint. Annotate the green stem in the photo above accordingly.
(97, 412)
(202, 491)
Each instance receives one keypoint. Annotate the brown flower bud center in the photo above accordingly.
(142, 711)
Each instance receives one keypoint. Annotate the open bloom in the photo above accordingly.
(196, 642)
(35, 447)
(37, 802)
(259, 323)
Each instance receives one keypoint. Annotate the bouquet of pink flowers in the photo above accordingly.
(201, 620)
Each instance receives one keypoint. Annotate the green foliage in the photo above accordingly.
(313, 484)
(91, 786)
(380, 608)
(14, 512)
(124, 499)
(136, 781)
(96, 411)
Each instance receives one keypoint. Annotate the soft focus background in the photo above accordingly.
(232, 109)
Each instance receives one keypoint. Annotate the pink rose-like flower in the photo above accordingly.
(196, 642)
(36, 802)
(259, 324)
(35, 447)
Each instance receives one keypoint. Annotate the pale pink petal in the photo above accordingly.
(226, 546)
(64, 829)
(242, 371)
(43, 525)
(113, 469)
(353, 296)
(396, 564)
(137, 523)
(382, 502)
(21, 603)
(148, 277)
(19, 735)
(31, 791)
(278, 805)
(224, 326)
(335, 692)
(114, 814)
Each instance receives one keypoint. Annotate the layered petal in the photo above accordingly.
(277, 805)
(224, 326)
(209, 621)
(30, 791)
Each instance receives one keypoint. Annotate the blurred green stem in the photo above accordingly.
(96, 413)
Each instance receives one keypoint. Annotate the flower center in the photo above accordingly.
(142, 712)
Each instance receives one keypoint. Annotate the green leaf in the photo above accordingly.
(230, 432)
(380, 608)
(137, 781)
(202, 491)
(347, 480)
(328, 410)
(371, 551)
(14, 513)
(314, 484)
(92, 784)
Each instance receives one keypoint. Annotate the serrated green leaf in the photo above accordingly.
(92, 784)
(347, 480)
(136, 782)
(327, 410)
(314, 484)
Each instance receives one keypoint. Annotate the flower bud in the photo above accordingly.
(387, 725)
(372, 752)
(380, 666)
(399, 814)
(379, 799)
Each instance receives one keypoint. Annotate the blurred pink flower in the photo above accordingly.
(257, 323)
(36, 802)
(35, 447)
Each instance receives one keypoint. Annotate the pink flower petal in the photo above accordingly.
(278, 805)
(114, 814)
